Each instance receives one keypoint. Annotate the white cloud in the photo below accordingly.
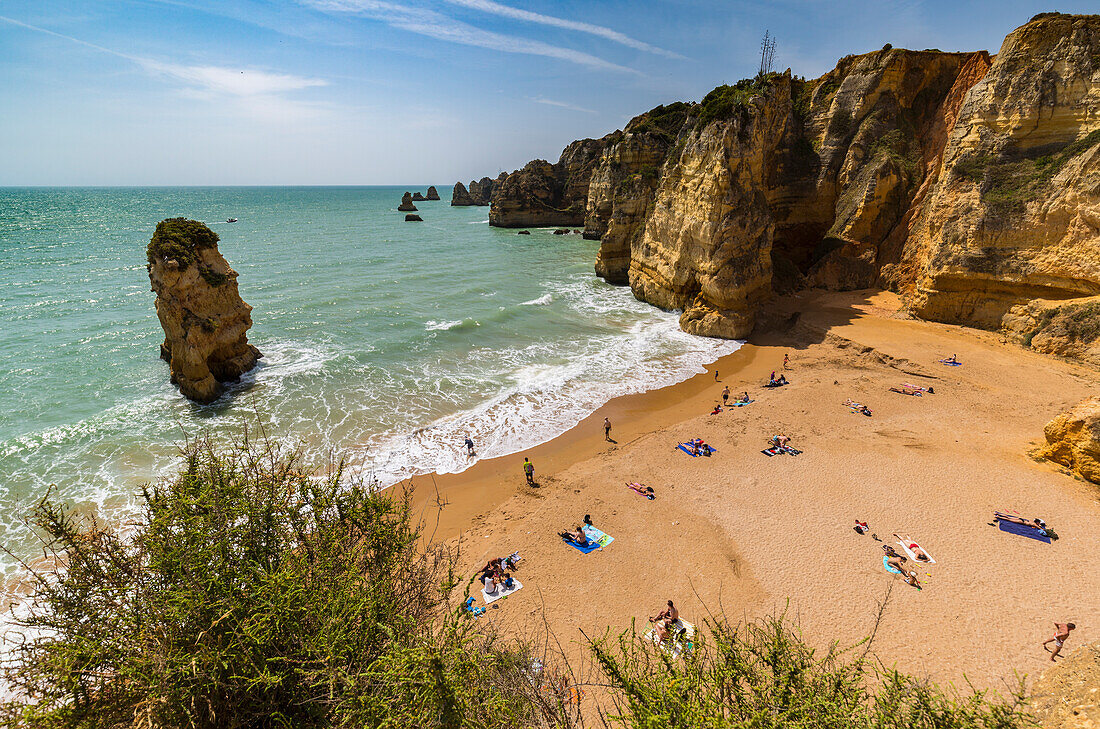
(441, 27)
(261, 93)
(561, 104)
(231, 81)
(495, 8)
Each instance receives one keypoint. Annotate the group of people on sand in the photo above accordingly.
(498, 573)
(774, 381)
(663, 621)
(699, 447)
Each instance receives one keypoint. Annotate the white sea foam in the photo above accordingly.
(441, 326)
(540, 301)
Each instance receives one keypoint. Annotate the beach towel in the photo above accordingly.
(886, 565)
(596, 540)
(681, 638)
(913, 556)
(686, 448)
(1023, 530)
(501, 592)
(915, 387)
(791, 451)
(739, 404)
(773, 451)
(950, 364)
(776, 384)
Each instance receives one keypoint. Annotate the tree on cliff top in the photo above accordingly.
(179, 239)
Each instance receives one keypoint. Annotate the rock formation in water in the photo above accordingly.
(413, 218)
(432, 193)
(205, 321)
(460, 196)
(969, 184)
(544, 194)
(1073, 439)
(406, 205)
(418, 197)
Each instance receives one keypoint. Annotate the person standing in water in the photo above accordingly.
(606, 429)
(469, 446)
(529, 471)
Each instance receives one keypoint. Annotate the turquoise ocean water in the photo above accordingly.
(383, 340)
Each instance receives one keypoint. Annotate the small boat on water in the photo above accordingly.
(231, 220)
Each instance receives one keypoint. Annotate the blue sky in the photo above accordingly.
(194, 92)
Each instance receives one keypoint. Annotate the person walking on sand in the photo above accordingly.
(606, 429)
(529, 471)
(716, 374)
(1061, 632)
(786, 361)
(469, 446)
(725, 394)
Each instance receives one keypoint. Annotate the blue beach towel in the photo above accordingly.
(886, 565)
(950, 364)
(740, 404)
(1024, 531)
(684, 447)
(596, 540)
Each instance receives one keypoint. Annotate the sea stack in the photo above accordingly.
(406, 205)
(432, 194)
(418, 197)
(205, 321)
(460, 196)
(413, 218)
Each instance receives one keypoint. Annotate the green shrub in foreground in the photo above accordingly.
(249, 593)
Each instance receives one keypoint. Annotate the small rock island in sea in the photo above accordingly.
(204, 319)
(406, 205)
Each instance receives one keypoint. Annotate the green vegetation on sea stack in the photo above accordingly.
(179, 239)
(250, 592)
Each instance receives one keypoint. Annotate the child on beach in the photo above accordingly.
(1061, 632)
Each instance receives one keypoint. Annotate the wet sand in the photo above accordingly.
(749, 534)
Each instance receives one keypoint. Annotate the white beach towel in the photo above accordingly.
(500, 592)
(682, 638)
(913, 557)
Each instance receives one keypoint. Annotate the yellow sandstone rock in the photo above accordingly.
(1073, 439)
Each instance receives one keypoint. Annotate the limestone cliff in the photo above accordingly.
(480, 191)
(1067, 694)
(968, 183)
(1073, 439)
(205, 321)
(544, 194)
(1015, 213)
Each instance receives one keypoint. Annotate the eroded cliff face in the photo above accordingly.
(969, 184)
(1015, 213)
(544, 194)
(1073, 439)
(205, 321)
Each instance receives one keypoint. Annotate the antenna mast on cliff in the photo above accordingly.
(767, 54)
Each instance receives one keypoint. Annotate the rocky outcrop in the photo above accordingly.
(418, 197)
(205, 321)
(1073, 439)
(544, 194)
(413, 218)
(1066, 695)
(460, 196)
(432, 193)
(1015, 213)
(1068, 328)
(406, 203)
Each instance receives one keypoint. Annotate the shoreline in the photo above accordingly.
(751, 535)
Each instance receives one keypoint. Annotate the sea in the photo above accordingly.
(384, 342)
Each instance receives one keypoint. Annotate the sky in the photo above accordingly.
(343, 92)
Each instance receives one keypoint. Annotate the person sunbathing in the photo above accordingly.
(780, 441)
(576, 536)
(661, 629)
(670, 612)
(695, 447)
(919, 553)
(744, 398)
(1035, 523)
(646, 491)
(717, 409)
(906, 391)
(898, 564)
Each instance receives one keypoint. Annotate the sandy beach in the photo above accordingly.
(751, 535)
